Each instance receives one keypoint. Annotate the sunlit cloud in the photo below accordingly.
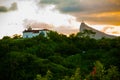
(113, 30)
(60, 29)
(60, 15)
(108, 18)
(14, 22)
(94, 11)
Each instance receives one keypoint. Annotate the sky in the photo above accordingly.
(63, 16)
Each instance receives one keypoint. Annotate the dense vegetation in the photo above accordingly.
(59, 57)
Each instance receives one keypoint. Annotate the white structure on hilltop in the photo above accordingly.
(98, 34)
(29, 33)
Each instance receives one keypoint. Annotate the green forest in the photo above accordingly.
(59, 57)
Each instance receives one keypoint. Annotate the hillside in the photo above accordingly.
(98, 34)
(59, 57)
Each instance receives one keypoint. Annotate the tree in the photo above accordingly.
(6, 37)
(16, 36)
(18, 66)
(112, 73)
(98, 72)
(48, 76)
(86, 33)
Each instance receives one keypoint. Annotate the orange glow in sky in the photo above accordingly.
(61, 16)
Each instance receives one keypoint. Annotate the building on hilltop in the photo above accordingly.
(29, 33)
(98, 34)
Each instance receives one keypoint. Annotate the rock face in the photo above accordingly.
(98, 34)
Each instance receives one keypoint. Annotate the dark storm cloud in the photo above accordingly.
(50, 1)
(84, 9)
(11, 8)
(3, 9)
(84, 5)
(63, 5)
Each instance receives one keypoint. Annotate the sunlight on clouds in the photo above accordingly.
(109, 17)
(102, 18)
(109, 29)
(105, 14)
(48, 14)
(117, 2)
(12, 22)
(114, 30)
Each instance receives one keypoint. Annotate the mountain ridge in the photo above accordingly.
(98, 34)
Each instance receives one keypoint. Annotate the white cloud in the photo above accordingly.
(12, 22)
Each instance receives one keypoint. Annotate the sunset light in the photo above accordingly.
(57, 14)
(59, 39)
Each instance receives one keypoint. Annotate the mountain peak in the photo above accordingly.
(98, 34)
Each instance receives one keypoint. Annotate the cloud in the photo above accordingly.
(109, 18)
(13, 6)
(3, 9)
(66, 30)
(7, 9)
(106, 28)
(83, 5)
(89, 10)
(63, 6)
(113, 30)
(40, 25)
(50, 1)
(117, 2)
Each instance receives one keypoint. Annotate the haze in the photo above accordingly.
(63, 16)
